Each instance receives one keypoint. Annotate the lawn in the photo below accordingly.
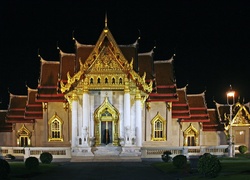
(18, 170)
(232, 168)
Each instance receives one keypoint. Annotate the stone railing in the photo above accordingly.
(59, 153)
(156, 152)
(64, 153)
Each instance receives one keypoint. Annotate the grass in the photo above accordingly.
(232, 168)
(18, 170)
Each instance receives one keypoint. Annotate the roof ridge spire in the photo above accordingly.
(106, 20)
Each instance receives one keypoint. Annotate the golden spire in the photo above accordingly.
(106, 20)
(73, 35)
(38, 53)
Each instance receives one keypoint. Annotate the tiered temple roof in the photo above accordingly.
(4, 126)
(165, 85)
(185, 107)
(180, 108)
(198, 108)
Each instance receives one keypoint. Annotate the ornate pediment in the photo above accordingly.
(106, 68)
(242, 117)
(106, 62)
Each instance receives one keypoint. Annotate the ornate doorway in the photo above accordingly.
(23, 137)
(190, 136)
(106, 124)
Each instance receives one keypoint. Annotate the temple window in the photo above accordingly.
(23, 137)
(106, 80)
(158, 128)
(55, 129)
(191, 136)
(91, 81)
(240, 137)
(98, 80)
(113, 80)
(120, 80)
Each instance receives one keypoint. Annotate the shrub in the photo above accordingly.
(4, 169)
(209, 165)
(242, 149)
(32, 163)
(166, 156)
(46, 158)
(180, 161)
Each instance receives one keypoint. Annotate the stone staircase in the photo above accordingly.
(107, 150)
(106, 153)
(105, 159)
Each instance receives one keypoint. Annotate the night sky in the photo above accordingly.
(211, 39)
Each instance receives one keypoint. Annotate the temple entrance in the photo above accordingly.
(106, 124)
(106, 132)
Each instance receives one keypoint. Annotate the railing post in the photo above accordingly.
(185, 151)
(26, 153)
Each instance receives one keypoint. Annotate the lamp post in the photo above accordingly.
(230, 102)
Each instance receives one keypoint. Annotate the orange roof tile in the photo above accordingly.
(213, 124)
(4, 126)
(198, 109)
(16, 109)
(33, 109)
(180, 108)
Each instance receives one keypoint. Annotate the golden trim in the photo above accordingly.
(162, 132)
(99, 117)
(55, 117)
(23, 132)
(190, 131)
(106, 60)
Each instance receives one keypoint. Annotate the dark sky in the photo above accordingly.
(211, 39)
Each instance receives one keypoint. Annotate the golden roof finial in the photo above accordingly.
(73, 35)
(57, 46)
(106, 20)
(38, 53)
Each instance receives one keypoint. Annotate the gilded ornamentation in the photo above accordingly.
(106, 68)
(158, 126)
(241, 117)
(106, 117)
(148, 106)
(169, 106)
(23, 136)
(55, 126)
(191, 136)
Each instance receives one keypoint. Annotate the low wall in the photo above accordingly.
(59, 153)
(64, 153)
(156, 152)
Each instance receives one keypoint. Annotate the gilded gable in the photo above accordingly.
(242, 116)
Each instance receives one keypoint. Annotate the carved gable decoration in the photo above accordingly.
(242, 117)
(106, 61)
(106, 67)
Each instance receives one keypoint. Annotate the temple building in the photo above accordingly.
(108, 99)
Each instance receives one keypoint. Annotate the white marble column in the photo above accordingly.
(133, 121)
(138, 118)
(74, 121)
(92, 124)
(126, 117)
(85, 119)
(121, 109)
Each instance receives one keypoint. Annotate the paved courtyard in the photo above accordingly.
(106, 170)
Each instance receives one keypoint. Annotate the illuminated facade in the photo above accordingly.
(108, 99)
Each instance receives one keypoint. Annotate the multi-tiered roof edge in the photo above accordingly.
(58, 78)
